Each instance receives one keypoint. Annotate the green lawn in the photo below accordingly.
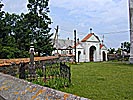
(102, 81)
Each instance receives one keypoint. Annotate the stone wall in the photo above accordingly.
(10, 69)
(11, 66)
(12, 88)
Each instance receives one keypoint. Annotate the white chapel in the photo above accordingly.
(90, 49)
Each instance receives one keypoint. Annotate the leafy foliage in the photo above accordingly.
(38, 23)
(17, 31)
(111, 50)
(126, 47)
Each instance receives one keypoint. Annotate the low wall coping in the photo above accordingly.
(7, 62)
(12, 88)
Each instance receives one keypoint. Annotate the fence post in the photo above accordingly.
(69, 74)
(65, 71)
(44, 72)
(22, 71)
(12, 70)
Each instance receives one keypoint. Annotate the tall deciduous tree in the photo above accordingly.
(17, 31)
(38, 22)
(2, 27)
(8, 45)
(6, 41)
(12, 40)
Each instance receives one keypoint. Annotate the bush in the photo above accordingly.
(11, 52)
(7, 52)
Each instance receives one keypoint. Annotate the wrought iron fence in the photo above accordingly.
(53, 74)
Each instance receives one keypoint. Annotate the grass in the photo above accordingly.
(102, 81)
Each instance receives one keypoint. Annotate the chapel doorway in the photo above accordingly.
(92, 51)
(79, 52)
(104, 56)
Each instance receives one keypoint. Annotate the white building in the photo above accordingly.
(88, 49)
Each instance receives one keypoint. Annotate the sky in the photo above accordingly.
(109, 19)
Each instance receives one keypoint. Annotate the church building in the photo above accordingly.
(90, 49)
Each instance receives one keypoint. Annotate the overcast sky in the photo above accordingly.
(106, 17)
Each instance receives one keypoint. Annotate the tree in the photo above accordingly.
(38, 22)
(6, 41)
(21, 33)
(126, 47)
(17, 31)
(1, 25)
(111, 50)
(118, 51)
(9, 45)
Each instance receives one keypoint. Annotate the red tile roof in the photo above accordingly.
(87, 37)
(101, 45)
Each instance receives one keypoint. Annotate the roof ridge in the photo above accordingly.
(87, 37)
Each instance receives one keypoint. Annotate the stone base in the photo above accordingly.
(1, 98)
(131, 60)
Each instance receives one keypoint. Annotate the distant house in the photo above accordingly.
(62, 46)
(88, 49)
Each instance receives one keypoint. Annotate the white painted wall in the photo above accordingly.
(103, 49)
(101, 57)
(61, 52)
(96, 53)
